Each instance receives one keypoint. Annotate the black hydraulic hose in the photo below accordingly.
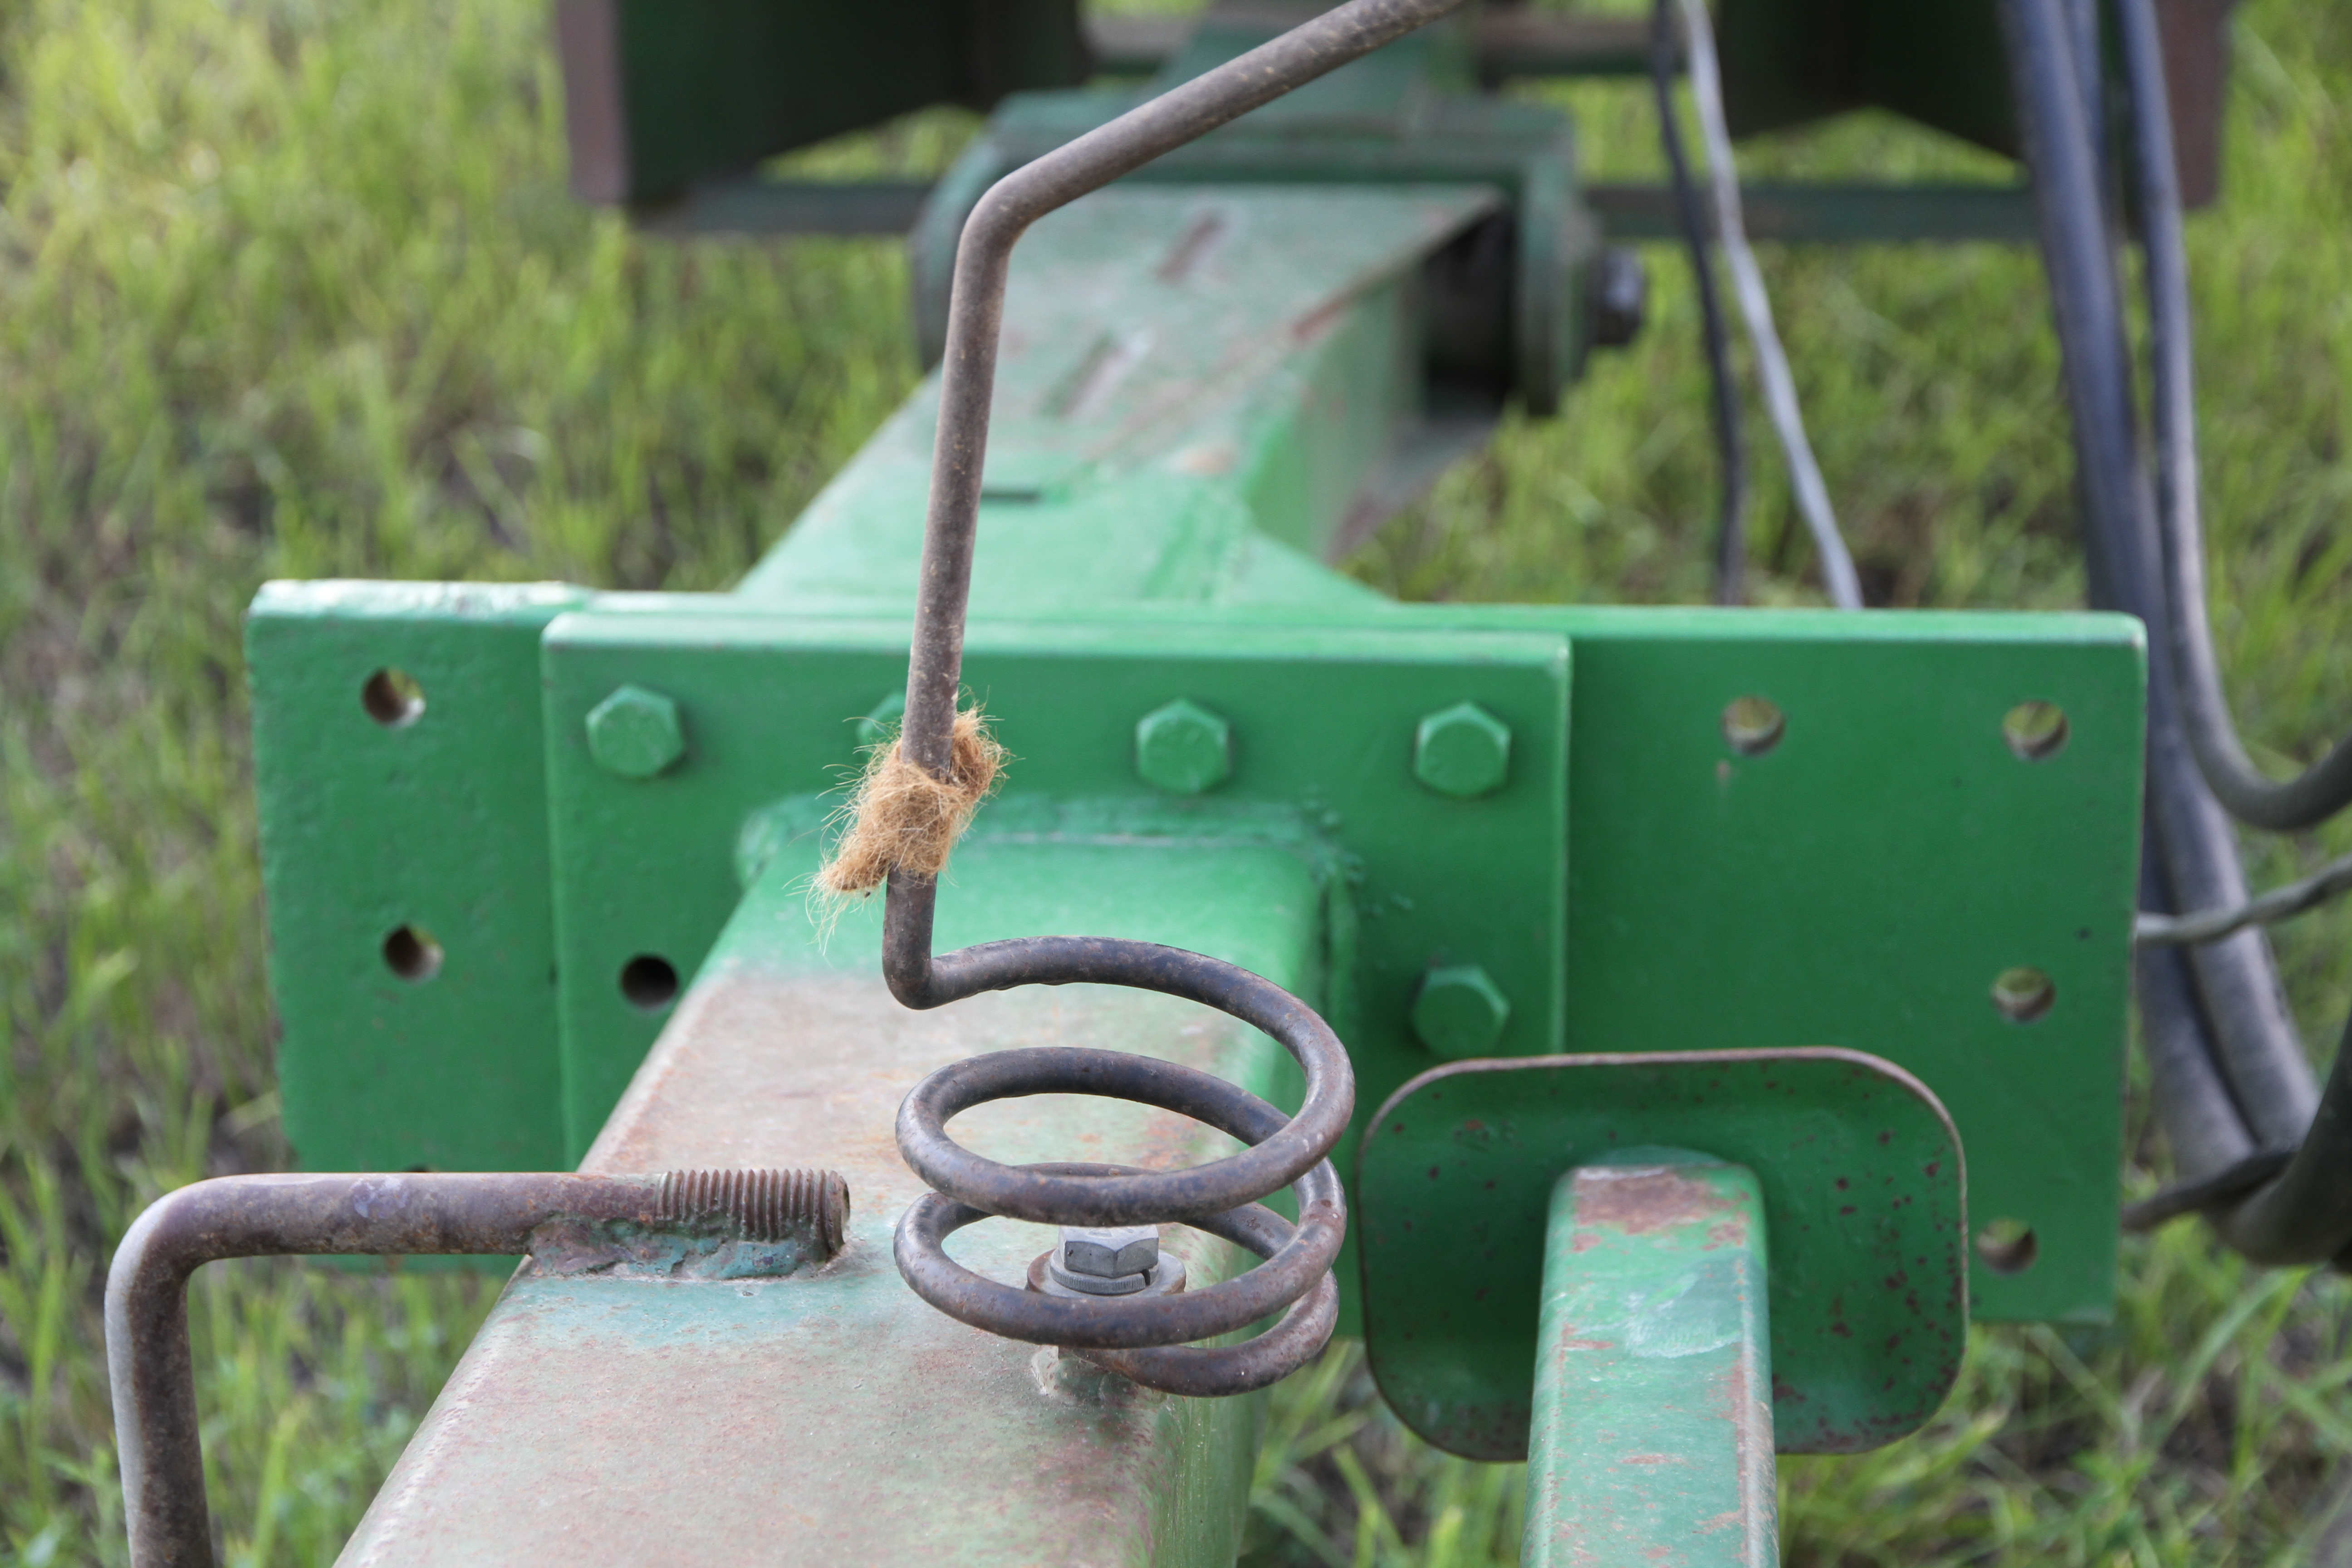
(2200, 1121)
(2304, 1213)
(2241, 1014)
(2325, 787)
(2257, 1049)
(2227, 1185)
(1731, 458)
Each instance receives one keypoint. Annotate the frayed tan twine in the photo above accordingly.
(903, 819)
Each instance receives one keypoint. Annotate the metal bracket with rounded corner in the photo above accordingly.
(1864, 1195)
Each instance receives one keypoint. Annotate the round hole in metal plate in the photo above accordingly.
(649, 982)
(2035, 731)
(411, 953)
(1753, 725)
(393, 699)
(2007, 1246)
(2023, 994)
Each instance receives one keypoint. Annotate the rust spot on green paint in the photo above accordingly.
(1639, 1199)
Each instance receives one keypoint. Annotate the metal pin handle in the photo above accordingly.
(1143, 1337)
(147, 1356)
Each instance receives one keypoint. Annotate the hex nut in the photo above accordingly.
(1462, 751)
(636, 733)
(1620, 286)
(1183, 748)
(1459, 1010)
(1110, 1252)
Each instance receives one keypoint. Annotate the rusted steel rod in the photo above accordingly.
(147, 1356)
(976, 308)
(1144, 1338)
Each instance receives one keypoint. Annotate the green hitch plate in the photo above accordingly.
(1863, 1196)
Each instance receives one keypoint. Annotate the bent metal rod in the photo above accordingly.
(1141, 1336)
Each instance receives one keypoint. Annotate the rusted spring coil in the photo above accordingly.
(1135, 1336)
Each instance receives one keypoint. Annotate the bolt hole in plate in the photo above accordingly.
(1865, 1203)
(2034, 730)
(393, 699)
(411, 953)
(2023, 994)
(2007, 1246)
(1753, 725)
(649, 982)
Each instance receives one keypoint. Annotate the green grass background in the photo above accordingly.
(293, 288)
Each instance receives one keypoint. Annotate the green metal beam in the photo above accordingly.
(1652, 1432)
(1217, 375)
(834, 1417)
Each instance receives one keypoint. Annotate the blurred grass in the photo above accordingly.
(293, 288)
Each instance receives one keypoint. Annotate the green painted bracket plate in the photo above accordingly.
(396, 729)
(1861, 882)
(1863, 1197)
(1323, 724)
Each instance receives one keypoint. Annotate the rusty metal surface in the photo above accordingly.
(834, 1417)
(1862, 1181)
(1651, 1439)
(715, 1224)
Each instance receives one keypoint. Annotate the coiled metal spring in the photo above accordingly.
(1130, 1334)
(1142, 1335)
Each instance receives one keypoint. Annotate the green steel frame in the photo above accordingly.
(537, 861)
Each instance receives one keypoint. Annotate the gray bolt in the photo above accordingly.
(1621, 296)
(1106, 1260)
(1183, 748)
(1460, 1011)
(1462, 751)
(636, 733)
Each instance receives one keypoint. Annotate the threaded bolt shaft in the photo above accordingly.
(764, 1206)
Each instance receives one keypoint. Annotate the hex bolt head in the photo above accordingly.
(1462, 751)
(1107, 1252)
(1621, 297)
(635, 733)
(1183, 748)
(1105, 1260)
(1459, 1010)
